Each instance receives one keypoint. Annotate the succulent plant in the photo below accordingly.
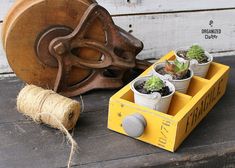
(154, 84)
(177, 69)
(196, 52)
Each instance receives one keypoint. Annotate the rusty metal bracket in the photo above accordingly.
(118, 53)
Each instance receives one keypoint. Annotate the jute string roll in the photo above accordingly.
(46, 106)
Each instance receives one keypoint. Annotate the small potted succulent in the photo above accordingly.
(153, 92)
(200, 60)
(176, 72)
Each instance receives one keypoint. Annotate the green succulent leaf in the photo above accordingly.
(181, 66)
(196, 52)
(154, 84)
(177, 69)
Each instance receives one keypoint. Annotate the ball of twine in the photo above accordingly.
(33, 100)
(48, 107)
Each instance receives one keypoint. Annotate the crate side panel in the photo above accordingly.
(200, 109)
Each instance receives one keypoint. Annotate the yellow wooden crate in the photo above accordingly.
(169, 130)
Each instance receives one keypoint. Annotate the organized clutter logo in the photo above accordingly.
(211, 33)
(211, 23)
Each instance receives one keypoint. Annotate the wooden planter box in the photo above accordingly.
(169, 130)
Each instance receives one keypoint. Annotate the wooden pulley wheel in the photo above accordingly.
(65, 45)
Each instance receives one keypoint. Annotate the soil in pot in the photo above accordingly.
(163, 72)
(165, 91)
(183, 53)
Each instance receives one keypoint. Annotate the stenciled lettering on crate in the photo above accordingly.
(204, 104)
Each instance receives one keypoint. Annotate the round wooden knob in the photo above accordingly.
(134, 125)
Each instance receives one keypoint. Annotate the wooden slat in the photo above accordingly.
(4, 67)
(120, 7)
(164, 32)
(5, 6)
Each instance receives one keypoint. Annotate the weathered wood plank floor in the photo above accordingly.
(24, 144)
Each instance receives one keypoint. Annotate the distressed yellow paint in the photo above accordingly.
(168, 131)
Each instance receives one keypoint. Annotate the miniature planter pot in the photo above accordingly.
(153, 101)
(180, 85)
(198, 69)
